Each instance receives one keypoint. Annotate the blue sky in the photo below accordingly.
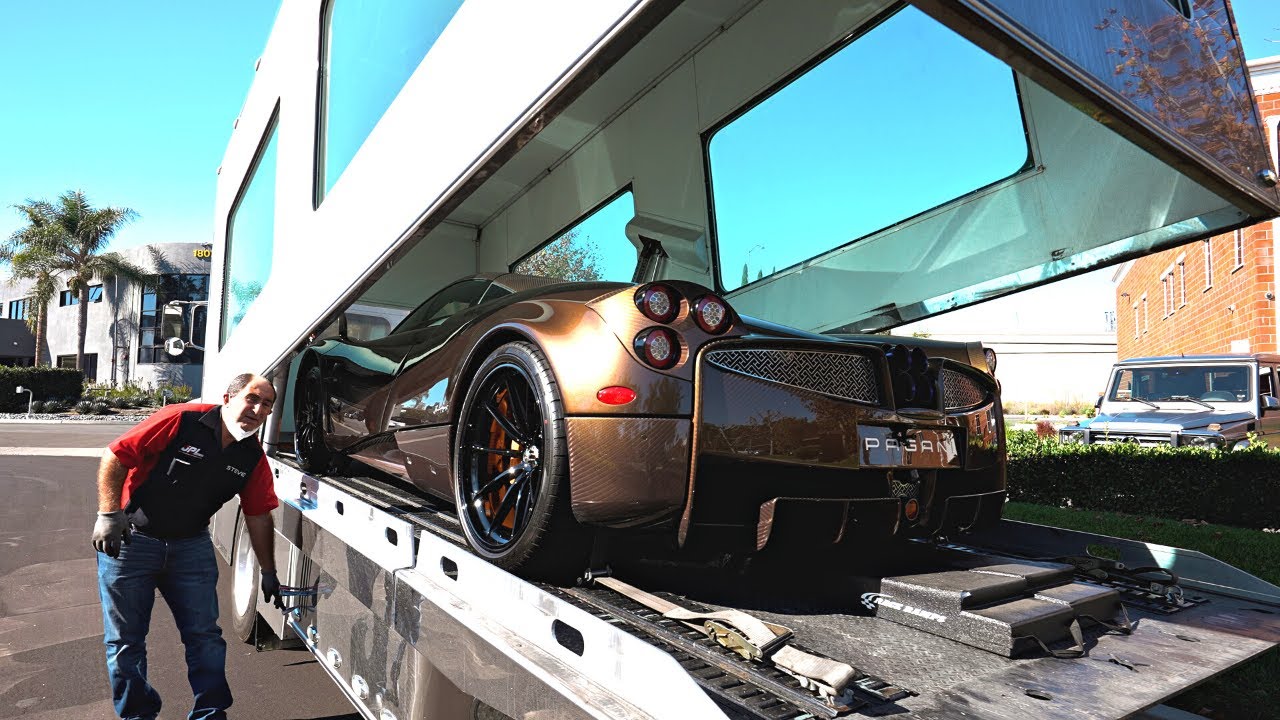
(134, 101)
(131, 101)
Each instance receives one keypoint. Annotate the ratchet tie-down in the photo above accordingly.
(754, 640)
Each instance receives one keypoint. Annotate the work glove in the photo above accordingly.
(271, 588)
(111, 529)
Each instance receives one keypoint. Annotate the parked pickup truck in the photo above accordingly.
(1192, 400)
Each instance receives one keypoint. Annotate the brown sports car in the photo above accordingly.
(542, 407)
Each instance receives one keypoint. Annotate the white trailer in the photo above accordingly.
(837, 166)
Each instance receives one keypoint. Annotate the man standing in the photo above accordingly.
(158, 486)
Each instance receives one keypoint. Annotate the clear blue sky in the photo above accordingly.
(133, 102)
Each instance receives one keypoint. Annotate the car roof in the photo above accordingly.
(1200, 359)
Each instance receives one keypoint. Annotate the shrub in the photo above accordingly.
(121, 403)
(85, 407)
(99, 408)
(44, 382)
(37, 407)
(1045, 429)
(1240, 488)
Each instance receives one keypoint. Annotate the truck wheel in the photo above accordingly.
(309, 446)
(244, 584)
(511, 469)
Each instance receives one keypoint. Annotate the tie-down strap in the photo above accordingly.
(750, 637)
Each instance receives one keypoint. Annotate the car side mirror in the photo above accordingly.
(1097, 405)
(1269, 402)
(174, 346)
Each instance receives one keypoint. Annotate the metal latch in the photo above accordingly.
(729, 637)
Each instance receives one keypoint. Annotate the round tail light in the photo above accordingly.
(658, 347)
(711, 314)
(660, 303)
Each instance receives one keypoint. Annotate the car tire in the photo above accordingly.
(309, 446)
(511, 468)
(244, 584)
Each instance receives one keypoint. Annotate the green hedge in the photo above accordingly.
(46, 384)
(1240, 487)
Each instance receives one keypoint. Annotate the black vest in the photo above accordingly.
(194, 477)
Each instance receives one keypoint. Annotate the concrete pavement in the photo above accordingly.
(52, 661)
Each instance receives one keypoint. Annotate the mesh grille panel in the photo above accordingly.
(843, 375)
(960, 390)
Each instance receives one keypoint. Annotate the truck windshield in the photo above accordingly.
(1197, 383)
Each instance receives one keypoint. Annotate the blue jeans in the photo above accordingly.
(186, 574)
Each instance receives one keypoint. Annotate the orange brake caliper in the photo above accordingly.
(498, 463)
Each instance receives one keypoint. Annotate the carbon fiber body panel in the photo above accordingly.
(627, 471)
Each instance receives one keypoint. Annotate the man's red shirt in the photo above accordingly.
(140, 448)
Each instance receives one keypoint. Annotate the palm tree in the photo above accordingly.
(33, 264)
(70, 235)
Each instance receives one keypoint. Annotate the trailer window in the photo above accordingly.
(905, 118)
(250, 238)
(369, 48)
(595, 247)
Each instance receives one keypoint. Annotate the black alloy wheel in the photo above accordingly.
(511, 468)
(309, 446)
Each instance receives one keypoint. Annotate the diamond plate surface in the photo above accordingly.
(960, 390)
(844, 375)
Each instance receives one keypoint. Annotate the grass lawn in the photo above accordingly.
(1249, 692)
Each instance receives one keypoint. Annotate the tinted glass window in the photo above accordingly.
(873, 135)
(371, 47)
(250, 239)
(445, 304)
(594, 248)
(1207, 383)
(158, 322)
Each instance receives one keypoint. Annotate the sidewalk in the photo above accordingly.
(71, 418)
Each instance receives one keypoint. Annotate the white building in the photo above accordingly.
(1054, 344)
(127, 325)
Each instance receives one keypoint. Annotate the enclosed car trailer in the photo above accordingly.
(836, 166)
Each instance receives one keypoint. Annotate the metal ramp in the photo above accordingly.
(907, 669)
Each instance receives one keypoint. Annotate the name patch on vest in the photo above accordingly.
(237, 471)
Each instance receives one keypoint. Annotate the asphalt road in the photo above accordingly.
(52, 661)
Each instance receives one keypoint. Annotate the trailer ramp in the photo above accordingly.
(901, 670)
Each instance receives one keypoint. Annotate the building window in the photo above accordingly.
(1166, 286)
(1208, 265)
(859, 188)
(18, 308)
(159, 322)
(368, 50)
(1182, 280)
(90, 365)
(250, 237)
(593, 248)
(70, 297)
(1238, 244)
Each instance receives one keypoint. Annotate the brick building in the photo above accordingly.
(1209, 296)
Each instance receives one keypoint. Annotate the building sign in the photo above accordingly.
(203, 253)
